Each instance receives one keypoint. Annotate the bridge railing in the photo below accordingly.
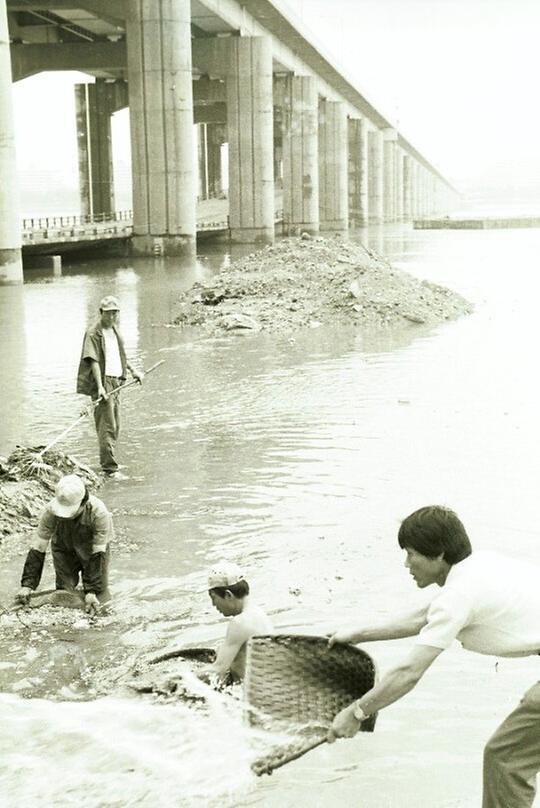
(46, 229)
(54, 222)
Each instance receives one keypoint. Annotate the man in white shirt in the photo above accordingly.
(102, 368)
(491, 605)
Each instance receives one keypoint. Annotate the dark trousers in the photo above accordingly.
(68, 567)
(107, 419)
(512, 756)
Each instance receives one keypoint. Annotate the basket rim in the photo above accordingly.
(317, 639)
(314, 638)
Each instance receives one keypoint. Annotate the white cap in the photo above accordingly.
(224, 573)
(69, 494)
(109, 303)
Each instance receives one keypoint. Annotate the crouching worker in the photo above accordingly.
(79, 529)
(229, 593)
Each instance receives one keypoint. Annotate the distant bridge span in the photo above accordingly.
(270, 108)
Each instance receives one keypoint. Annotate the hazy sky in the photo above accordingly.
(458, 77)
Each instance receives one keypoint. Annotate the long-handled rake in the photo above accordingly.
(35, 466)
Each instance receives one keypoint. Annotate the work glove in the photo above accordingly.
(91, 603)
(23, 595)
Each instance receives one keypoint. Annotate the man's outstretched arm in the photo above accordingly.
(396, 684)
(407, 625)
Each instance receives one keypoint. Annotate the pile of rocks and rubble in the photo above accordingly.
(27, 482)
(309, 281)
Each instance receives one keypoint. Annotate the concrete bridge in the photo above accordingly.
(254, 84)
(56, 235)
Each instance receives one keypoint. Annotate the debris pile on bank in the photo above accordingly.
(27, 482)
(310, 281)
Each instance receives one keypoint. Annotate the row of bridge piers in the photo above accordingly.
(335, 169)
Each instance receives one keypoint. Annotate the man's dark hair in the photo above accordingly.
(434, 530)
(239, 590)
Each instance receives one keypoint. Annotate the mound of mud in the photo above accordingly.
(27, 482)
(309, 281)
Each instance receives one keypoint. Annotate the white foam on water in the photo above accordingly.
(121, 753)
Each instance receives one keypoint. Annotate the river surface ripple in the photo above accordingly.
(296, 457)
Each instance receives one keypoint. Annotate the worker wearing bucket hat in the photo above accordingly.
(79, 529)
(103, 367)
(229, 593)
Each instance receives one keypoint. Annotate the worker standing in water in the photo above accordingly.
(79, 529)
(229, 593)
(102, 368)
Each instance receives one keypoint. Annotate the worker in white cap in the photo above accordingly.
(79, 529)
(102, 368)
(229, 593)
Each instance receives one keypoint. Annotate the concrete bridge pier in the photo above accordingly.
(300, 155)
(407, 187)
(398, 179)
(423, 192)
(333, 166)
(390, 138)
(414, 189)
(375, 176)
(251, 139)
(211, 138)
(10, 224)
(161, 116)
(94, 106)
(433, 203)
(358, 172)
(278, 140)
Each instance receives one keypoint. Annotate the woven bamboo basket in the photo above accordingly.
(296, 685)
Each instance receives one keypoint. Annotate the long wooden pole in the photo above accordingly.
(92, 407)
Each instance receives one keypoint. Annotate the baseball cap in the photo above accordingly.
(68, 496)
(109, 303)
(224, 573)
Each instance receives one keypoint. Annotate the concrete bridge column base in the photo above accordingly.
(375, 174)
(358, 175)
(157, 246)
(389, 172)
(398, 177)
(300, 156)
(161, 120)
(407, 188)
(333, 166)
(250, 126)
(216, 138)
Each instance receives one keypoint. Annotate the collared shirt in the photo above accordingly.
(490, 603)
(93, 350)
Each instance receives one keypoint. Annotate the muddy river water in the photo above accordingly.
(297, 457)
